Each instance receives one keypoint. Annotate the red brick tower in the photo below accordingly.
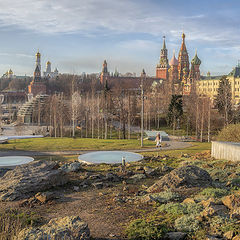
(104, 74)
(162, 67)
(183, 61)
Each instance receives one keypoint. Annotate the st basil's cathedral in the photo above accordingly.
(181, 77)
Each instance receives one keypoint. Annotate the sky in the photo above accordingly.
(77, 35)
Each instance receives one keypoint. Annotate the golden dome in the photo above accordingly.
(10, 71)
(183, 35)
(38, 54)
(48, 62)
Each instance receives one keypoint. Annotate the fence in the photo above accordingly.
(226, 150)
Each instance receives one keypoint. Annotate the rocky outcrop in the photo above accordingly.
(71, 228)
(26, 180)
(71, 167)
(183, 177)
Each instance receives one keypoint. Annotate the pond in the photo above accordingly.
(11, 161)
(109, 157)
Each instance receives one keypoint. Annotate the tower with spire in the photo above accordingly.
(183, 61)
(38, 60)
(162, 66)
(104, 74)
(37, 86)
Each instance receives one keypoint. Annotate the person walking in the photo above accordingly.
(158, 140)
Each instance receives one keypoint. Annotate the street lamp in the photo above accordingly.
(143, 77)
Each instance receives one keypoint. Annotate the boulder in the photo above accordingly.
(26, 180)
(112, 177)
(214, 210)
(183, 177)
(175, 236)
(150, 171)
(138, 177)
(71, 228)
(231, 201)
(98, 185)
(229, 234)
(43, 197)
(71, 167)
(189, 201)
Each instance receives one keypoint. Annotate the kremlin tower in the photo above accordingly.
(162, 67)
(37, 86)
(104, 74)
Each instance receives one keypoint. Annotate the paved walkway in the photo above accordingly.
(171, 146)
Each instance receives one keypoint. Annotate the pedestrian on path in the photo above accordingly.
(158, 140)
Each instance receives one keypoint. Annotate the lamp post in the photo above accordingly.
(143, 76)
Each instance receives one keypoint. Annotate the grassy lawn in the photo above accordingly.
(196, 148)
(65, 144)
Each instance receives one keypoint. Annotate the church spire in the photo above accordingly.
(183, 60)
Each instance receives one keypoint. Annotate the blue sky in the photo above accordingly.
(77, 35)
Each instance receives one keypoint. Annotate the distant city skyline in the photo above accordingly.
(76, 36)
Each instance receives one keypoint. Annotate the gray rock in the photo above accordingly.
(213, 238)
(71, 228)
(26, 180)
(95, 177)
(112, 177)
(71, 167)
(183, 177)
(138, 177)
(75, 188)
(175, 236)
(150, 171)
(3, 171)
(98, 185)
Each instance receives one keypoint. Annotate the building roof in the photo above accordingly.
(210, 77)
(235, 72)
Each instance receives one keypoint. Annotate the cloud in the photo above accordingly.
(20, 55)
(94, 17)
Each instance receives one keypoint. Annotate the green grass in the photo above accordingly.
(195, 148)
(66, 144)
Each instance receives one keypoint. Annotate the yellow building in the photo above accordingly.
(208, 86)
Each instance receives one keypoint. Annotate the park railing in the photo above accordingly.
(226, 150)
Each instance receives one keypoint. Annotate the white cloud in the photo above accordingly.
(91, 17)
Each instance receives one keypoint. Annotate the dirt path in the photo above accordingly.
(106, 218)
